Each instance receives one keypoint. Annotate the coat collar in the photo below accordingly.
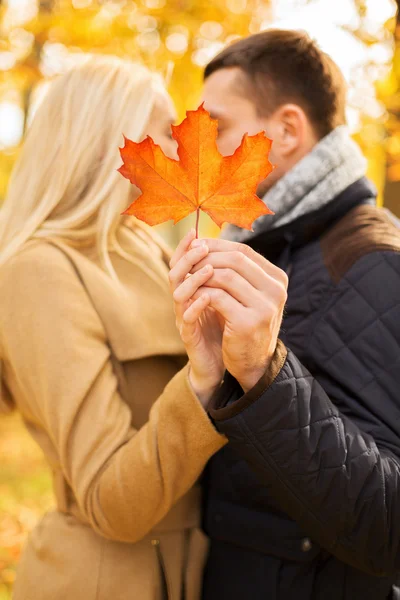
(137, 316)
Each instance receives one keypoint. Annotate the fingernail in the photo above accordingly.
(205, 269)
(192, 232)
(198, 243)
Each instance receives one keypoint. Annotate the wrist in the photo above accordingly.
(252, 377)
(270, 366)
(203, 387)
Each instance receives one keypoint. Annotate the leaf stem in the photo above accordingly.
(197, 223)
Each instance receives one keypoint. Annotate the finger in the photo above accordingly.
(276, 289)
(185, 264)
(232, 311)
(218, 245)
(236, 286)
(195, 310)
(191, 284)
(182, 247)
(240, 263)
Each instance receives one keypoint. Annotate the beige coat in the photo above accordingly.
(96, 371)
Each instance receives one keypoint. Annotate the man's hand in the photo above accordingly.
(250, 294)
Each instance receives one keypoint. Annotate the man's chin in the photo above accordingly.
(265, 186)
(270, 181)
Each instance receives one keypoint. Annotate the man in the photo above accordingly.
(304, 501)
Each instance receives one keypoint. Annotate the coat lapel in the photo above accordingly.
(138, 315)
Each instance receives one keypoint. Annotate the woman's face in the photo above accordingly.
(159, 127)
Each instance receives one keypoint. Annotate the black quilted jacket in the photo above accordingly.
(304, 502)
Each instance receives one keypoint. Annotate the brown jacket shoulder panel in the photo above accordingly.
(363, 230)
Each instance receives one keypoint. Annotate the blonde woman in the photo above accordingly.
(91, 356)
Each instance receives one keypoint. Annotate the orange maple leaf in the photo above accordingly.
(202, 179)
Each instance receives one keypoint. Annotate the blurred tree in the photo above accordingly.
(40, 38)
(389, 92)
(374, 134)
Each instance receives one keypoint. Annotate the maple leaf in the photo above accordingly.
(202, 179)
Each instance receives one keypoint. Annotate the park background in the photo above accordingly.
(41, 38)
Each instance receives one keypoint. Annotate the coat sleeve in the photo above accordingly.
(328, 450)
(124, 481)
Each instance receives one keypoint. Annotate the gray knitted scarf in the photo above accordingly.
(333, 165)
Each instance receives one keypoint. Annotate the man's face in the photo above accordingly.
(225, 98)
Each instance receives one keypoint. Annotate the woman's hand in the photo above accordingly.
(199, 325)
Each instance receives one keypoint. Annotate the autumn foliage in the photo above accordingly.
(202, 179)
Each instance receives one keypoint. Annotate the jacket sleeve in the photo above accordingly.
(124, 480)
(328, 450)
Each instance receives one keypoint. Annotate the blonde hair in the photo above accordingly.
(65, 183)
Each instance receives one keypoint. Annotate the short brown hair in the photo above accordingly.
(283, 66)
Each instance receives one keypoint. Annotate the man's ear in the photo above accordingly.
(293, 128)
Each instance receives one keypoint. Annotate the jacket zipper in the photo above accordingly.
(163, 572)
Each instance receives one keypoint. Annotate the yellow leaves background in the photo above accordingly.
(25, 493)
(40, 38)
